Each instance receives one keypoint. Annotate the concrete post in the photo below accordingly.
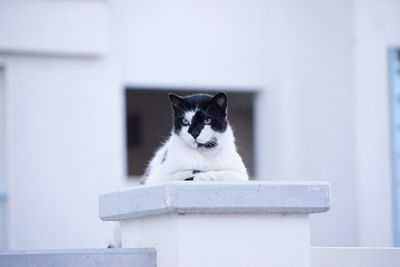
(195, 224)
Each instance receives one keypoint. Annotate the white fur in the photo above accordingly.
(189, 115)
(218, 163)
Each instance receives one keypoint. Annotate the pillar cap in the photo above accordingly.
(215, 198)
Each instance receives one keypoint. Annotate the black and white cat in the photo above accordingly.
(201, 146)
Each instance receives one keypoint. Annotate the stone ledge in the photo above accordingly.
(142, 257)
(215, 198)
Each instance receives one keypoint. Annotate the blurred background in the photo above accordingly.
(314, 91)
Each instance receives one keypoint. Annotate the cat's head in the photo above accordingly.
(200, 119)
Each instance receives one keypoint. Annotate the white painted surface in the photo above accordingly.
(376, 30)
(351, 257)
(65, 147)
(222, 240)
(54, 27)
(2, 129)
(3, 183)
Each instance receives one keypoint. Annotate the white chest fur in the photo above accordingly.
(176, 160)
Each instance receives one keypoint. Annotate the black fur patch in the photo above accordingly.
(207, 106)
(191, 178)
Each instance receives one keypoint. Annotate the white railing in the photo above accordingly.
(80, 258)
(354, 257)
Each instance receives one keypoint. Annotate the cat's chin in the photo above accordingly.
(193, 144)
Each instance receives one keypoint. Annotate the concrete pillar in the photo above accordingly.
(219, 224)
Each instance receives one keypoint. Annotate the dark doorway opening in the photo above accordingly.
(149, 123)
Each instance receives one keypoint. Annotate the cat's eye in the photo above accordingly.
(207, 121)
(185, 121)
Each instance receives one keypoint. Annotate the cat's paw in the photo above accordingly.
(203, 176)
(179, 176)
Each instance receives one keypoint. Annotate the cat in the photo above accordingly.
(201, 146)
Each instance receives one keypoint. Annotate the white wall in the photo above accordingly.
(3, 196)
(53, 27)
(2, 130)
(64, 122)
(64, 148)
(377, 27)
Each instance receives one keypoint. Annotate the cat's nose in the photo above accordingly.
(194, 132)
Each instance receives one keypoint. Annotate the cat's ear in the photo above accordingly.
(176, 101)
(221, 101)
